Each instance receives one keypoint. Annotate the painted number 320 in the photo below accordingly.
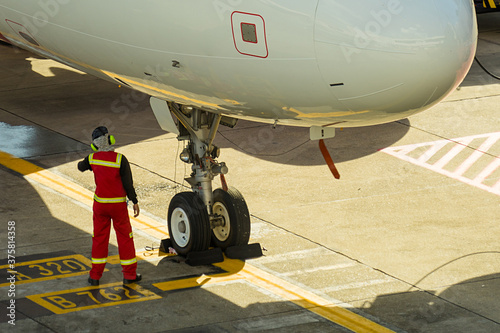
(65, 267)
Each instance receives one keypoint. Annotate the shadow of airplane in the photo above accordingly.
(448, 310)
(291, 145)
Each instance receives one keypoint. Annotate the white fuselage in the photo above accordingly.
(300, 62)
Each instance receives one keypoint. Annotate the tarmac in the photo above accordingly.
(406, 241)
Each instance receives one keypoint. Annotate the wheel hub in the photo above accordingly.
(222, 230)
(180, 227)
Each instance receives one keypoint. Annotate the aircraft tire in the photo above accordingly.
(188, 223)
(232, 207)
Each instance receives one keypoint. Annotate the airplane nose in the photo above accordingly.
(393, 58)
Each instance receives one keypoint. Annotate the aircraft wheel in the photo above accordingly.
(236, 228)
(188, 223)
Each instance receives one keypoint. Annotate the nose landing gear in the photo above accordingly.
(204, 217)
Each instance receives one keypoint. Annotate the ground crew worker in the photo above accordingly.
(114, 183)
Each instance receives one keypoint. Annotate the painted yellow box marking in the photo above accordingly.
(61, 302)
(47, 269)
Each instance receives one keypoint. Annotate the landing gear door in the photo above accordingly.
(163, 115)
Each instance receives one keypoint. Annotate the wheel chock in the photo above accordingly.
(207, 257)
(243, 252)
(165, 244)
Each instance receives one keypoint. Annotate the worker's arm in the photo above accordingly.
(84, 165)
(128, 183)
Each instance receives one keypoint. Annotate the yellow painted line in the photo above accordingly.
(194, 282)
(61, 302)
(239, 270)
(74, 191)
(236, 269)
(303, 298)
(492, 4)
(72, 256)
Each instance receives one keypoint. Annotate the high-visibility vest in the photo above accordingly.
(106, 168)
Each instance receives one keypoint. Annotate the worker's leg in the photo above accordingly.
(100, 240)
(126, 248)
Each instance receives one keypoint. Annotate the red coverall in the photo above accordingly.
(110, 168)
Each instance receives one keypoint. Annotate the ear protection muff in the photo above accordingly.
(98, 132)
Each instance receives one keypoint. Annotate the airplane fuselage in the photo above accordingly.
(301, 62)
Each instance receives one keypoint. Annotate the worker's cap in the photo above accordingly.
(98, 132)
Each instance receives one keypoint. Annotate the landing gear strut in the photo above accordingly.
(203, 217)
